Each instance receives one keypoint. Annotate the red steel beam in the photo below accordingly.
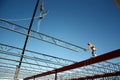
(100, 58)
(98, 76)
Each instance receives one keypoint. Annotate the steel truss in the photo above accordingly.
(86, 63)
(50, 67)
(33, 62)
(39, 36)
(8, 65)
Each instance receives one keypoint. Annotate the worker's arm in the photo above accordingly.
(88, 48)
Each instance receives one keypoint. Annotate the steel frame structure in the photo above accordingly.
(34, 68)
(49, 63)
(14, 51)
(104, 57)
(10, 55)
(50, 66)
(25, 31)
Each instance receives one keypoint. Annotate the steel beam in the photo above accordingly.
(38, 35)
(103, 57)
(98, 76)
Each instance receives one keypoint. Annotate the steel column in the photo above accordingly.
(55, 75)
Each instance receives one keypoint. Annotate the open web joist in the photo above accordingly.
(101, 58)
(39, 36)
(33, 62)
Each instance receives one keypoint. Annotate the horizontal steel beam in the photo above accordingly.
(103, 57)
(43, 54)
(37, 35)
(98, 76)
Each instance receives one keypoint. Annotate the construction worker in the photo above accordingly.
(42, 12)
(92, 47)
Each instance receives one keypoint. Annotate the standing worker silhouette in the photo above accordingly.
(92, 47)
(41, 11)
(42, 15)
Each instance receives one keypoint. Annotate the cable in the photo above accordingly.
(20, 19)
(38, 25)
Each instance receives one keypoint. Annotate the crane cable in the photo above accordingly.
(20, 19)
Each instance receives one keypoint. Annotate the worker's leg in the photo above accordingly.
(93, 53)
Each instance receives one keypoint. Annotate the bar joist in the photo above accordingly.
(100, 58)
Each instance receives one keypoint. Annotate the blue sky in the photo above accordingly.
(74, 21)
